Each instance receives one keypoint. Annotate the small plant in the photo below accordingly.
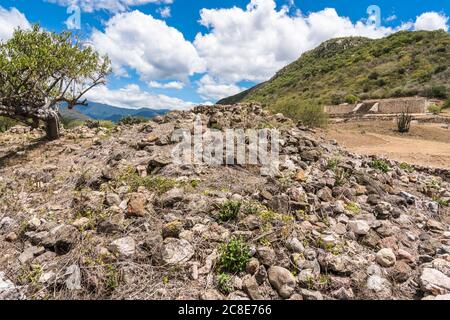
(112, 277)
(441, 202)
(224, 283)
(341, 176)
(406, 167)
(234, 255)
(434, 109)
(404, 122)
(446, 104)
(351, 99)
(333, 164)
(229, 210)
(130, 120)
(353, 207)
(153, 183)
(251, 207)
(380, 165)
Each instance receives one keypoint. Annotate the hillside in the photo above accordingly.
(107, 214)
(403, 64)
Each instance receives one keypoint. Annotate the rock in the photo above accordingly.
(73, 277)
(251, 287)
(33, 224)
(172, 229)
(62, 238)
(176, 251)
(359, 227)
(252, 266)
(81, 223)
(8, 291)
(171, 197)
(113, 199)
(311, 295)
(300, 176)
(386, 257)
(11, 237)
(343, 294)
(380, 287)
(6, 223)
(261, 275)
(211, 294)
(434, 281)
(29, 253)
(136, 205)
(383, 210)
(282, 280)
(124, 247)
(325, 194)
(294, 245)
(266, 255)
(401, 271)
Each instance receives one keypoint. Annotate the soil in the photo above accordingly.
(425, 144)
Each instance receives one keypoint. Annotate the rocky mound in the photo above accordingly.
(107, 214)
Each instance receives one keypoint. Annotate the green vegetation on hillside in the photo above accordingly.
(354, 68)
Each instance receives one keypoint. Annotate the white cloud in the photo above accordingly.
(109, 5)
(431, 21)
(391, 18)
(165, 12)
(148, 46)
(254, 43)
(209, 88)
(131, 96)
(10, 20)
(178, 85)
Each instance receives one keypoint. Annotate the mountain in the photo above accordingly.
(99, 111)
(344, 69)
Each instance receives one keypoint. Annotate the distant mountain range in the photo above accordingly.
(99, 111)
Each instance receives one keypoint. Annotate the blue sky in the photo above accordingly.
(175, 53)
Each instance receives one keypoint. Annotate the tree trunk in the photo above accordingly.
(52, 128)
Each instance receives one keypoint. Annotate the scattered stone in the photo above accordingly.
(359, 227)
(251, 287)
(386, 257)
(434, 281)
(282, 280)
(177, 251)
(136, 205)
(172, 229)
(124, 247)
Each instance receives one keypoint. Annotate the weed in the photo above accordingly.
(380, 165)
(234, 255)
(229, 210)
(224, 283)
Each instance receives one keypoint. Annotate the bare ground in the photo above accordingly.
(426, 144)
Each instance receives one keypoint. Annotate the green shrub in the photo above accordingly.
(351, 99)
(380, 165)
(434, 109)
(446, 104)
(70, 123)
(234, 255)
(406, 167)
(224, 283)
(6, 123)
(229, 210)
(439, 92)
(130, 120)
(313, 116)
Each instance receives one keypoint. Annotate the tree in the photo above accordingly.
(40, 70)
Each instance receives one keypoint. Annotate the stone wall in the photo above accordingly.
(382, 106)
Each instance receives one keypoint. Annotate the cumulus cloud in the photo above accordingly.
(164, 12)
(431, 21)
(109, 5)
(209, 88)
(178, 85)
(132, 97)
(10, 20)
(253, 43)
(148, 46)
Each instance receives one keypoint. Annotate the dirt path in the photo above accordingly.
(427, 144)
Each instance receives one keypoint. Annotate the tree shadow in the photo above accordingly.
(22, 151)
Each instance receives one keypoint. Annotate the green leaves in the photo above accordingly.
(39, 69)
